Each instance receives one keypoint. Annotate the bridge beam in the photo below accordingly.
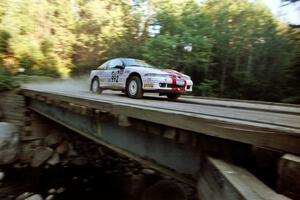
(166, 155)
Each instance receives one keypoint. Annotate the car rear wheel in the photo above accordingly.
(95, 86)
(173, 95)
(134, 87)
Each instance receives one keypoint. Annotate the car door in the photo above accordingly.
(101, 74)
(113, 73)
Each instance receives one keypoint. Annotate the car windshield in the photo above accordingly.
(135, 62)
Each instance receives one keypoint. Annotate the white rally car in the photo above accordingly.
(134, 77)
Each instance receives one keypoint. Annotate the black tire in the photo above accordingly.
(136, 92)
(97, 83)
(173, 95)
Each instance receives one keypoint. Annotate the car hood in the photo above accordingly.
(146, 70)
(174, 73)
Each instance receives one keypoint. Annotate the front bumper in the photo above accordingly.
(167, 84)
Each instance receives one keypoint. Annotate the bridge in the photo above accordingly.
(211, 144)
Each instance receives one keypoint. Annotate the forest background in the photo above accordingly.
(232, 49)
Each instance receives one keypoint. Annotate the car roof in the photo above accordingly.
(127, 58)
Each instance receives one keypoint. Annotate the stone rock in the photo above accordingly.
(53, 139)
(38, 130)
(50, 197)
(40, 156)
(35, 143)
(35, 197)
(71, 151)
(23, 196)
(101, 152)
(2, 175)
(62, 148)
(60, 190)
(148, 171)
(34, 132)
(134, 186)
(164, 190)
(9, 143)
(26, 153)
(54, 159)
(167, 177)
(18, 165)
(51, 191)
(79, 161)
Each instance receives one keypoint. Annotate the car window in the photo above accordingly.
(136, 63)
(104, 65)
(114, 63)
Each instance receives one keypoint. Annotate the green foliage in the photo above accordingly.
(7, 81)
(106, 29)
(182, 43)
(230, 48)
(206, 88)
(38, 35)
(293, 71)
(4, 42)
(161, 50)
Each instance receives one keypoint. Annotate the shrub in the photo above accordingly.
(7, 81)
(206, 88)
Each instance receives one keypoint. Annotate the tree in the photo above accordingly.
(182, 42)
(250, 49)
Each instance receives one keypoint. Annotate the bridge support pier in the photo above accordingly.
(289, 176)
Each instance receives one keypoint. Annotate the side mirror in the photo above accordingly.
(119, 67)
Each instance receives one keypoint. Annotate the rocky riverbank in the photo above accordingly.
(88, 182)
(64, 165)
(41, 160)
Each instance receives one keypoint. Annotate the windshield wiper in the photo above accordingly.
(135, 65)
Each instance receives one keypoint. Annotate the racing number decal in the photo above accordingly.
(115, 76)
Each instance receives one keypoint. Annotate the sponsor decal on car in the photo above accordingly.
(148, 85)
(180, 82)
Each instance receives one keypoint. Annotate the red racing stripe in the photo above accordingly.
(174, 83)
(184, 85)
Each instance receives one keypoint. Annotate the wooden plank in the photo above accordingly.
(246, 104)
(258, 134)
(250, 133)
(222, 180)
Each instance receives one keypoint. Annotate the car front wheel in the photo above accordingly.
(134, 87)
(95, 86)
(173, 95)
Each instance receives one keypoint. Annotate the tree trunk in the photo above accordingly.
(237, 63)
(249, 64)
(223, 76)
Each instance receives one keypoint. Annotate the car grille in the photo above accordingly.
(173, 85)
(170, 85)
